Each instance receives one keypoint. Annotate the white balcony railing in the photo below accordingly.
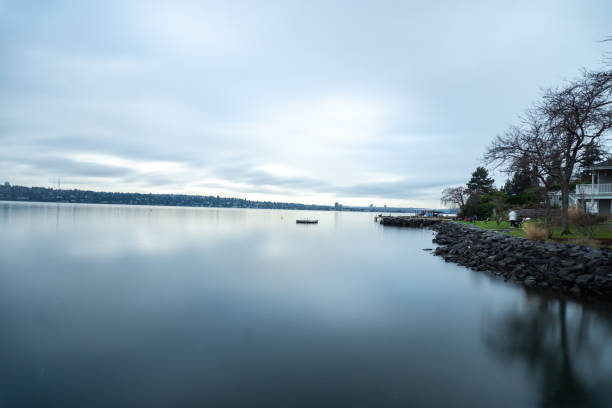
(593, 189)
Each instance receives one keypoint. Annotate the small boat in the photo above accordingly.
(306, 221)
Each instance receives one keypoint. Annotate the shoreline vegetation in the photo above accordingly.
(576, 270)
(552, 156)
(51, 195)
(599, 237)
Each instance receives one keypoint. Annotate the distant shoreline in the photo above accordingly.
(50, 195)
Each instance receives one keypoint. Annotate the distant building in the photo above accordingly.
(337, 206)
(597, 196)
(7, 184)
(371, 207)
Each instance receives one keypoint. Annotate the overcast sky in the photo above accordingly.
(359, 102)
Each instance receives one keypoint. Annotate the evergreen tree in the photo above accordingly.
(480, 181)
(522, 188)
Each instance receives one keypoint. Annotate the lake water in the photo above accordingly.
(120, 306)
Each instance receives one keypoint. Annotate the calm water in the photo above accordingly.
(118, 306)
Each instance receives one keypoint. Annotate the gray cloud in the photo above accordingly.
(343, 100)
(52, 166)
(65, 166)
(402, 188)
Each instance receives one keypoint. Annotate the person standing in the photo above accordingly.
(512, 218)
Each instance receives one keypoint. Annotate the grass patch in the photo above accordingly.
(492, 225)
(602, 235)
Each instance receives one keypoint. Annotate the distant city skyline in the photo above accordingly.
(320, 102)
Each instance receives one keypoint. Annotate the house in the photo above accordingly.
(598, 194)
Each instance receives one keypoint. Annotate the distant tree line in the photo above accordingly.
(42, 194)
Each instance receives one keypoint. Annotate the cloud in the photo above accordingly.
(314, 102)
(187, 29)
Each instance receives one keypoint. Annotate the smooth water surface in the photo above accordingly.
(122, 306)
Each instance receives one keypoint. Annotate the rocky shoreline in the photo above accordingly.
(577, 270)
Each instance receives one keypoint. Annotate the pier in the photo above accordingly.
(409, 221)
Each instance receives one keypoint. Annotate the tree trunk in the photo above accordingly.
(565, 230)
(548, 215)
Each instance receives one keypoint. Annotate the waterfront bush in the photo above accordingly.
(600, 237)
(586, 222)
(484, 210)
(535, 231)
(574, 213)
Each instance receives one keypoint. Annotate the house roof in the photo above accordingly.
(607, 164)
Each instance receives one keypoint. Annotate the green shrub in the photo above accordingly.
(484, 210)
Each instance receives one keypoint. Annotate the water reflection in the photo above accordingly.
(147, 306)
(564, 347)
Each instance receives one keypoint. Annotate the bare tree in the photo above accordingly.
(455, 196)
(560, 133)
(577, 118)
(528, 145)
(499, 202)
